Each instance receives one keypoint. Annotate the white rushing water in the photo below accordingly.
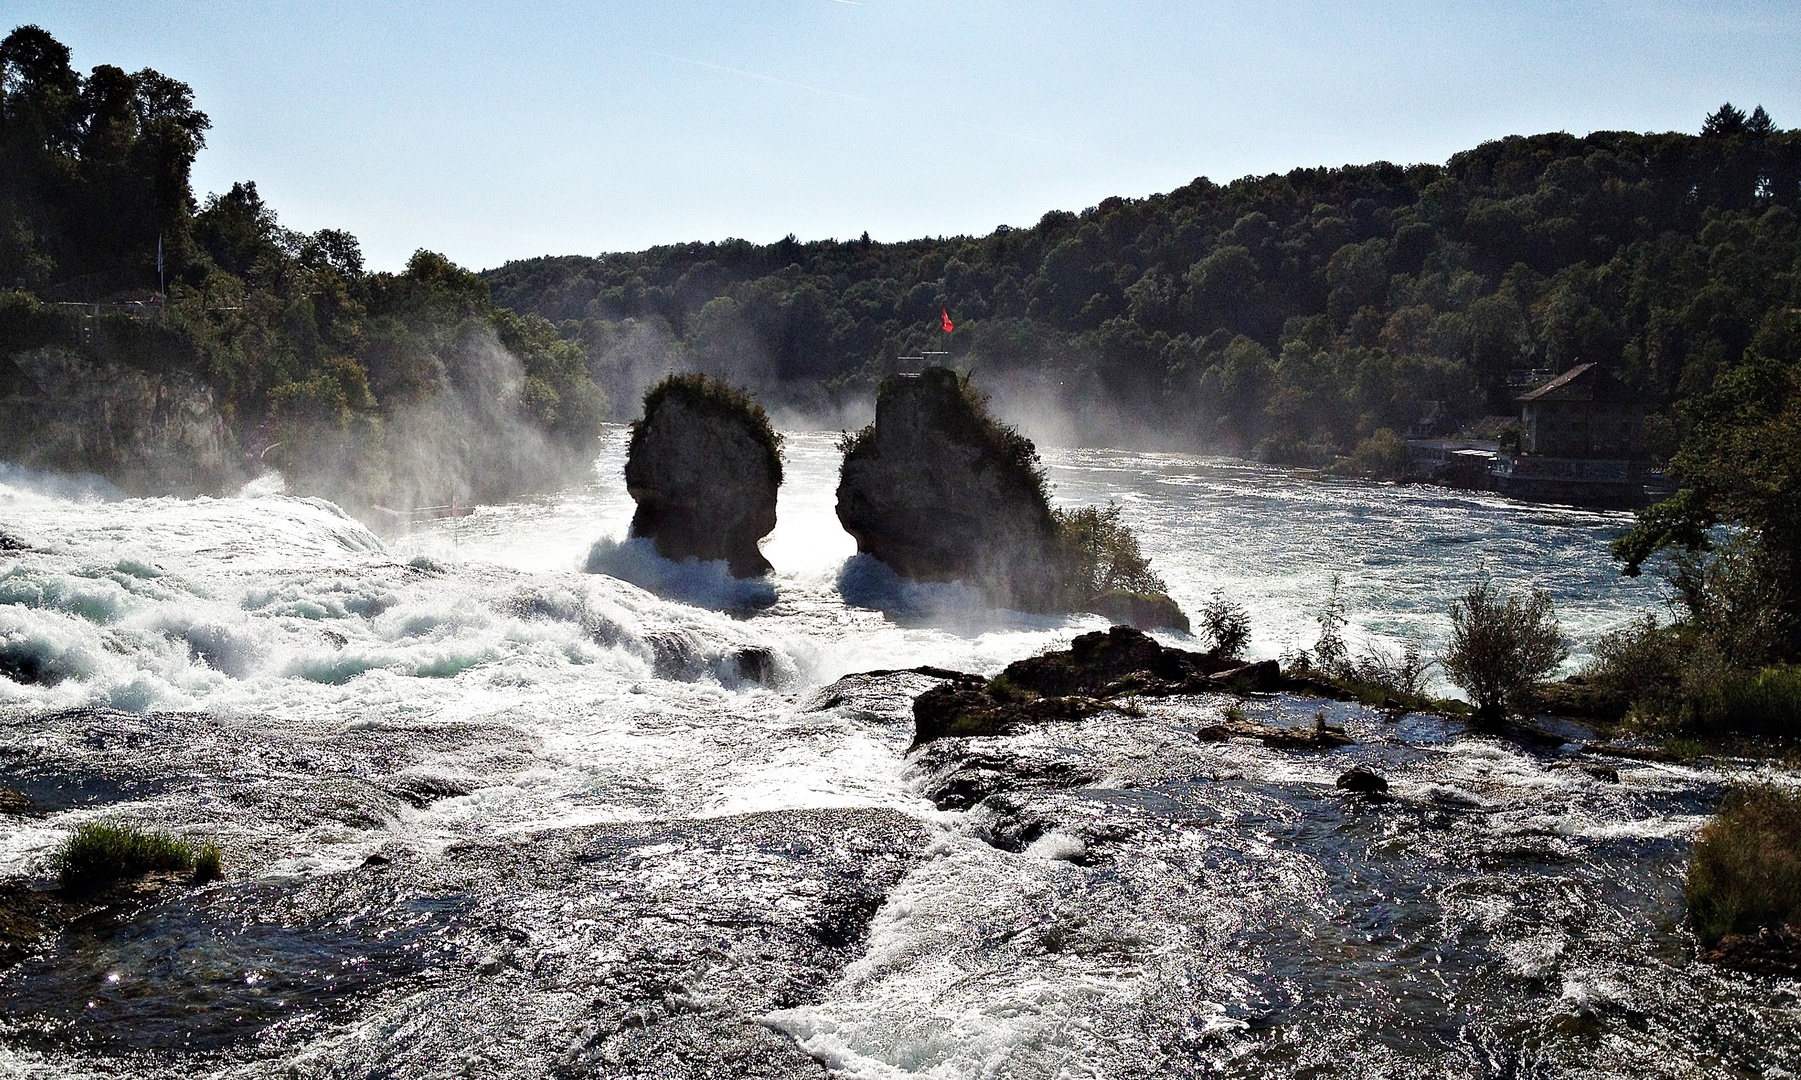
(1176, 902)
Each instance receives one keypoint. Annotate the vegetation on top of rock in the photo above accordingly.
(704, 466)
(1745, 873)
(939, 489)
(1225, 625)
(1722, 667)
(1102, 553)
(962, 415)
(1375, 675)
(99, 853)
(708, 395)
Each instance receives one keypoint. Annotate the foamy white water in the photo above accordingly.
(335, 706)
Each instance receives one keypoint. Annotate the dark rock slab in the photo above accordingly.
(1319, 737)
(1076, 683)
(1146, 611)
(631, 949)
(1362, 781)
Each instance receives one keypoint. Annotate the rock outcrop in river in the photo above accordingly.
(704, 465)
(1097, 668)
(150, 433)
(940, 491)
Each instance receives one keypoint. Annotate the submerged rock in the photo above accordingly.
(940, 491)
(1362, 781)
(1319, 737)
(703, 466)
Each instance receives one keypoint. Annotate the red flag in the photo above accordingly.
(947, 320)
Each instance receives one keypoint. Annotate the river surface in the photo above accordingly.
(487, 813)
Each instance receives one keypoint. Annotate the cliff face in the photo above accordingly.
(940, 492)
(149, 433)
(704, 466)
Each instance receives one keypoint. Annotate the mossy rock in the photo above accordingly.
(939, 490)
(1146, 611)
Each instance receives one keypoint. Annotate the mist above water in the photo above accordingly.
(468, 441)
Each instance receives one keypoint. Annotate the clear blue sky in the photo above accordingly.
(506, 130)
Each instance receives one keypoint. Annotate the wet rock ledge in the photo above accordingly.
(703, 466)
(1098, 670)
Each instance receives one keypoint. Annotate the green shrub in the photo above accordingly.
(1226, 626)
(1382, 456)
(1102, 553)
(1746, 870)
(99, 853)
(1736, 597)
(1502, 646)
(1380, 676)
(1644, 659)
(207, 862)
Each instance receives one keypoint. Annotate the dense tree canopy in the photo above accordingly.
(289, 327)
(1303, 317)
(1292, 314)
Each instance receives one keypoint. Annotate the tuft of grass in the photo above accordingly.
(1002, 688)
(99, 853)
(1765, 703)
(1746, 870)
(207, 862)
(1684, 749)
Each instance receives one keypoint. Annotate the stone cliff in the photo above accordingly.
(149, 433)
(704, 465)
(940, 491)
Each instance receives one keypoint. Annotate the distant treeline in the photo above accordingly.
(1288, 315)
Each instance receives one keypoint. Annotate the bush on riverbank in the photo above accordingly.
(1502, 647)
(1745, 875)
(100, 853)
(1717, 670)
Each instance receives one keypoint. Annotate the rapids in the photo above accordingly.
(487, 814)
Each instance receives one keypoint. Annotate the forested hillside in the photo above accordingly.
(1287, 316)
(305, 349)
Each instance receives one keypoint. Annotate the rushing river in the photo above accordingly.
(487, 814)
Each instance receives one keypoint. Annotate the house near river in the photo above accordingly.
(1580, 442)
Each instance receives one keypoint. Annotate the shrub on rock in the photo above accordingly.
(1502, 647)
(939, 490)
(703, 466)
